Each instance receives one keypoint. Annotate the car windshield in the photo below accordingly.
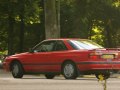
(84, 44)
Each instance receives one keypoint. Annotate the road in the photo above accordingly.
(32, 82)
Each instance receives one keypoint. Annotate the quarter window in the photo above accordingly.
(60, 46)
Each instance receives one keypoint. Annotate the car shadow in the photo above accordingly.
(61, 78)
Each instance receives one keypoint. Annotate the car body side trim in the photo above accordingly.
(37, 64)
(104, 62)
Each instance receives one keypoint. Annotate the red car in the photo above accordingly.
(70, 57)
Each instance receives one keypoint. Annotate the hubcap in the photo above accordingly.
(15, 69)
(68, 70)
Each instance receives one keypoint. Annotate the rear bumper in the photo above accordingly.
(98, 66)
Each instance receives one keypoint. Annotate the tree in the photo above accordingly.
(22, 25)
(51, 24)
(79, 17)
(11, 20)
(22, 22)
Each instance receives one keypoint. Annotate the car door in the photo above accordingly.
(57, 56)
(40, 59)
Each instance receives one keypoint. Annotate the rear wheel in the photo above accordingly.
(105, 76)
(69, 70)
(17, 70)
(49, 76)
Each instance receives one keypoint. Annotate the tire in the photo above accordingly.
(69, 70)
(49, 76)
(17, 70)
(105, 76)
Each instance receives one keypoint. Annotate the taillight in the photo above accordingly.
(118, 55)
(94, 55)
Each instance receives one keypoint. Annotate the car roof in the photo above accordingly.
(65, 39)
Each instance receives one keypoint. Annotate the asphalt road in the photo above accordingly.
(31, 82)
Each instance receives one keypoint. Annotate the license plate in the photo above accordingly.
(108, 56)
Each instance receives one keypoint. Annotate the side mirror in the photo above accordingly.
(31, 50)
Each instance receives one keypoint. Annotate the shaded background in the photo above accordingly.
(22, 22)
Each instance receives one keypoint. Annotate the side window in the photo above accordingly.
(60, 46)
(45, 46)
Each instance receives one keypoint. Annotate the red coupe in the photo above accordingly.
(70, 57)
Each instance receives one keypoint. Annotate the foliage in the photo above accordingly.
(14, 9)
(98, 20)
(85, 15)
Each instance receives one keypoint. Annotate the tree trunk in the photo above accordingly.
(21, 34)
(42, 24)
(10, 36)
(22, 26)
(58, 16)
(11, 21)
(51, 24)
(108, 35)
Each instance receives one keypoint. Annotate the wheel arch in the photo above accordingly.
(14, 61)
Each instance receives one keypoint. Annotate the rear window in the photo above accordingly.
(84, 44)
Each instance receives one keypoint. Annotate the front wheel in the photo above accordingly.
(17, 70)
(69, 70)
